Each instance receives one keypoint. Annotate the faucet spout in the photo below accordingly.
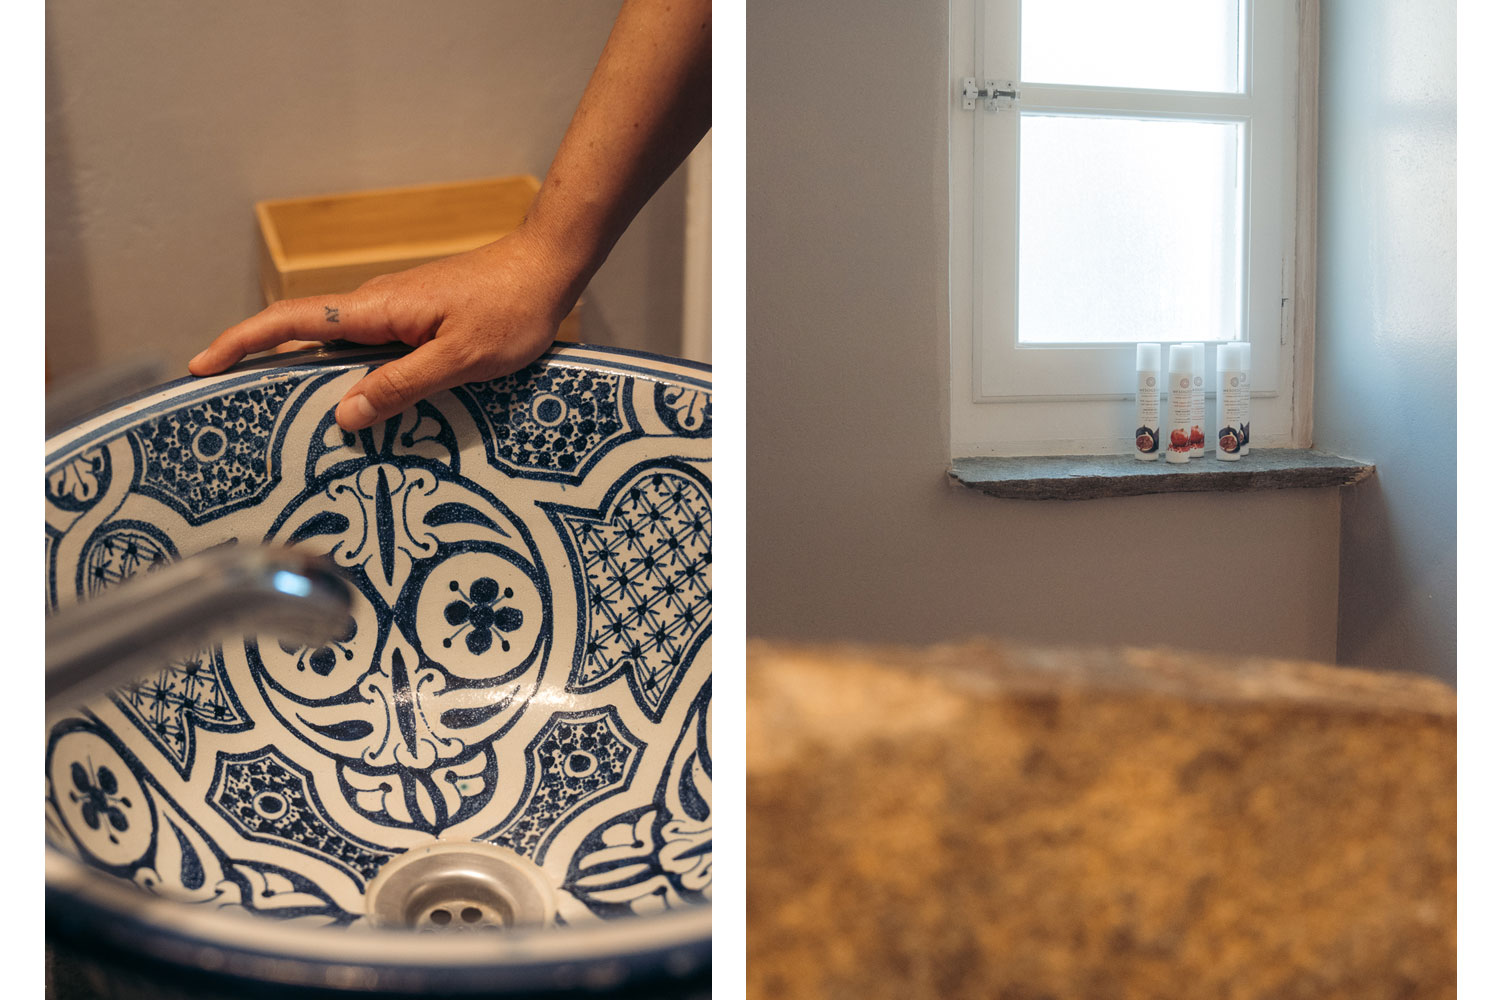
(231, 591)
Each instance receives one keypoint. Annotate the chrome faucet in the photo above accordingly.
(98, 645)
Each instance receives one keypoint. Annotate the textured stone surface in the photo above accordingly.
(976, 821)
(1092, 477)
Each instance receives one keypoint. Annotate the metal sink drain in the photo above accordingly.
(460, 887)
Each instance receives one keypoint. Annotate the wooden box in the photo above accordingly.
(334, 243)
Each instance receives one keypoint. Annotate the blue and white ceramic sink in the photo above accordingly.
(525, 675)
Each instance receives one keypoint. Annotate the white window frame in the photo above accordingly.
(1009, 399)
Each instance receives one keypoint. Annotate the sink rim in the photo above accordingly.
(85, 904)
(346, 354)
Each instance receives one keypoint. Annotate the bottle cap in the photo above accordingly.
(1197, 359)
(1230, 358)
(1243, 349)
(1180, 358)
(1148, 357)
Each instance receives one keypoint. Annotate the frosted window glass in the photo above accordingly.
(1152, 44)
(1129, 230)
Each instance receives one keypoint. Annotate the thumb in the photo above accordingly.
(436, 365)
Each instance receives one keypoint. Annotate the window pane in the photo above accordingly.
(1153, 44)
(1129, 230)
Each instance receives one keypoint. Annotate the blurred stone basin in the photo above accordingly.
(984, 821)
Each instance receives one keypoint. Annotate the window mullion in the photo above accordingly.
(1040, 98)
(999, 54)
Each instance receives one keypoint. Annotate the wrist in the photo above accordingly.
(563, 264)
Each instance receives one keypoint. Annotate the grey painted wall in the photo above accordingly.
(853, 530)
(1387, 286)
(168, 119)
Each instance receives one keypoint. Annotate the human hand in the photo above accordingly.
(471, 317)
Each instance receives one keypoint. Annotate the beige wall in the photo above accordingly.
(167, 119)
(853, 530)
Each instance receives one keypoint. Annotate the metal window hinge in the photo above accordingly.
(998, 94)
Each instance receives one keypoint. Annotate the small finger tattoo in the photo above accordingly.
(331, 314)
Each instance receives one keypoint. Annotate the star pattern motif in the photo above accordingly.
(646, 578)
(192, 692)
(119, 555)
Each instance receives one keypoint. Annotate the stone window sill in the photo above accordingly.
(1092, 477)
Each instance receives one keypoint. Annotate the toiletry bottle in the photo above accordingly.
(1234, 403)
(1244, 432)
(1147, 401)
(1178, 425)
(1200, 418)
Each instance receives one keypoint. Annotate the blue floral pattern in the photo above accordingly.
(552, 423)
(482, 614)
(577, 759)
(98, 794)
(79, 483)
(211, 457)
(660, 855)
(514, 549)
(270, 799)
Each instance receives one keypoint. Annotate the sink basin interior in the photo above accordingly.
(526, 668)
